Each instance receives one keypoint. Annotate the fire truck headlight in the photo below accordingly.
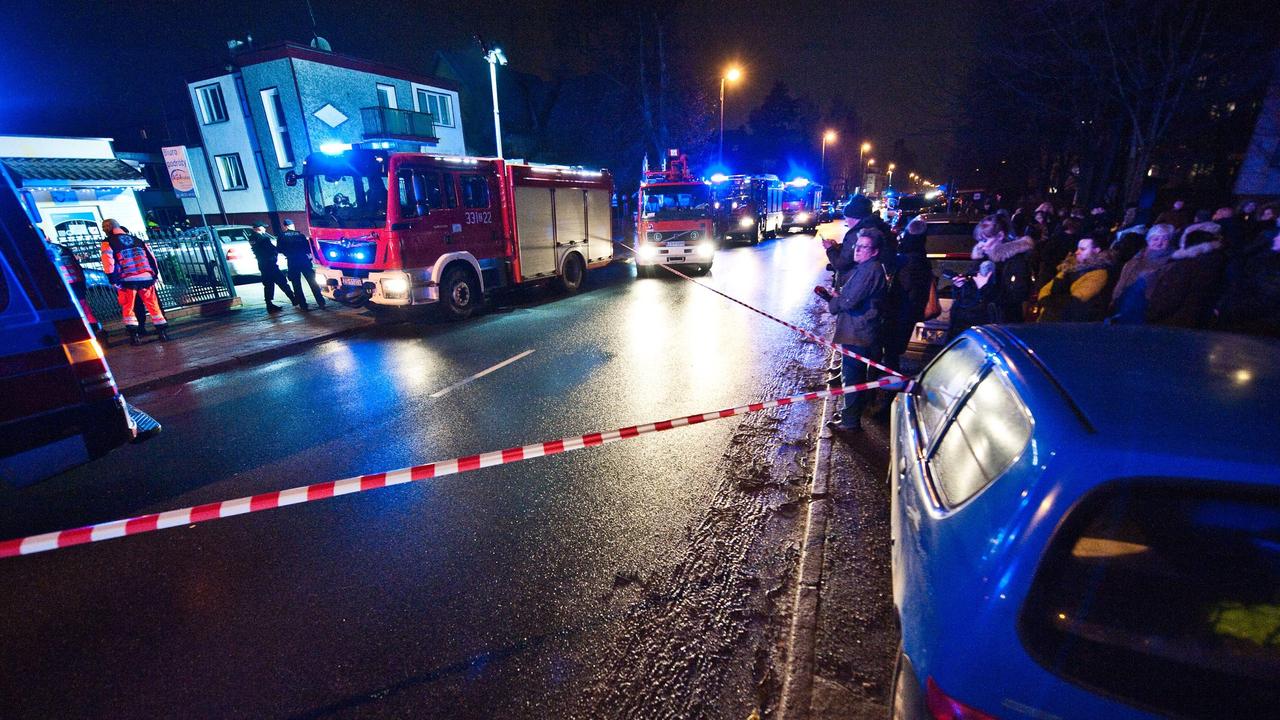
(746, 221)
(321, 279)
(395, 286)
(646, 252)
(706, 249)
(802, 217)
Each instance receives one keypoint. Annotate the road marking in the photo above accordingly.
(482, 373)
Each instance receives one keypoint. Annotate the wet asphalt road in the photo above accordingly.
(644, 578)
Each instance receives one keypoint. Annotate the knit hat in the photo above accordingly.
(858, 207)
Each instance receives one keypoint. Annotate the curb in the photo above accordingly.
(194, 373)
(797, 684)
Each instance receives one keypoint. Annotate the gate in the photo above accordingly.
(193, 268)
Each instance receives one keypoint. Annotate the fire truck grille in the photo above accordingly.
(362, 253)
(688, 236)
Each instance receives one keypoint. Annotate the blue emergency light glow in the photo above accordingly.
(719, 178)
(333, 255)
(800, 182)
(334, 148)
(359, 256)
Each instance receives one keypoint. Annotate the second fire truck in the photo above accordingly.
(396, 229)
(675, 222)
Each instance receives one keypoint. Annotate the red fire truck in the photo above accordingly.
(750, 207)
(676, 224)
(801, 202)
(405, 228)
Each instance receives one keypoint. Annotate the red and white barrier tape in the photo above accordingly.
(320, 491)
(816, 338)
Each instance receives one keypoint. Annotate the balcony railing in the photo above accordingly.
(385, 122)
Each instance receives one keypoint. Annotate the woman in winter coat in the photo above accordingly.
(1078, 292)
(1186, 293)
(1014, 273)
(1137, 277)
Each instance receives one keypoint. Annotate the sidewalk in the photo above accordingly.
(844, 634)
(201, 346)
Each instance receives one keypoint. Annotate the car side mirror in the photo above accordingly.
(291, 178)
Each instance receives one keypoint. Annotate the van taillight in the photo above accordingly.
(84, 354)
(942, 707)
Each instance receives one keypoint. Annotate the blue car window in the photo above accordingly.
(987, 435)
(944, 381)
(1165, 594)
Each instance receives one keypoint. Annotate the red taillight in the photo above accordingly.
(942, 707)
(231, 253)
(84, 354)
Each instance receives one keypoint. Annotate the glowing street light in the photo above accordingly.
(889, 180)
(862, 168)
(827, 137)
(733, 75)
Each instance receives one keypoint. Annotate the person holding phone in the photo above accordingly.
(857, 311)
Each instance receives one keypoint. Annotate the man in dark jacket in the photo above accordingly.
(858, 212)
(265, 252)
(297, 252)
(857, 310)
(910, 277)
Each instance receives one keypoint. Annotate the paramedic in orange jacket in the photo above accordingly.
(133, 270)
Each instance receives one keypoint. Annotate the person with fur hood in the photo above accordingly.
(1137, 278)
(1186, 293)
(1078, 292)
(1014, 275)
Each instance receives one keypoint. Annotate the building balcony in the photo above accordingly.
(385, 122)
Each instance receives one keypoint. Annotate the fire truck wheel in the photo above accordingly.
(572, 275)
(459, 293)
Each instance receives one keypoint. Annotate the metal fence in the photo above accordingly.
(193, 268)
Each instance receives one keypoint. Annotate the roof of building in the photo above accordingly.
(1157, 388)
(298, 51)
(73, 172)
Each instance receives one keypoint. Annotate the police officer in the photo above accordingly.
(132, 269)
(297, 252)
(265, 251)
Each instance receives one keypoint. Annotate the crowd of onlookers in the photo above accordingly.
(1213, 269)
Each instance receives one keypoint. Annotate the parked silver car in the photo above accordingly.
(235, 244)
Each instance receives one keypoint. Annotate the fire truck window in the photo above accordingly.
(475, 191)
(430, 195)
(408, 195)
(450, 197)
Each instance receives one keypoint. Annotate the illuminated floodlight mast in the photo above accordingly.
(733, 75)
(495, 58)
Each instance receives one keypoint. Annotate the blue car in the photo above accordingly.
(1086, 524)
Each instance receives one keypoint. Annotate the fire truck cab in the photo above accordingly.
(397, 229)
(676, 219)
(801, 203)
(750, 207)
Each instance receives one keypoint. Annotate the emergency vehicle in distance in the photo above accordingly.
(676, 223)
(398, 228)
(801, 204)
(62, 407)
(749, 207)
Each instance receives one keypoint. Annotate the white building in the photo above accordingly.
(74, 182)
(261, 115)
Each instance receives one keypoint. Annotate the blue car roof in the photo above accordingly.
(1197, 393)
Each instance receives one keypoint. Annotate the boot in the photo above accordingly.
(162, 332)
(135, 337)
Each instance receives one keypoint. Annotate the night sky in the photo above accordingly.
(105, 68)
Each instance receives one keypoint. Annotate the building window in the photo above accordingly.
(387, 96)
(231, 172)
(213, 108)
(439, 105)
(274, 109)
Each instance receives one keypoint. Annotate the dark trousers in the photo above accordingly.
(272, 277)
(298, 271)
(854, 372)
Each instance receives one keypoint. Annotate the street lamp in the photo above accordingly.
(862, 168)
(827, 137)
(495, 58)
(888, 183)
(733, 74)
